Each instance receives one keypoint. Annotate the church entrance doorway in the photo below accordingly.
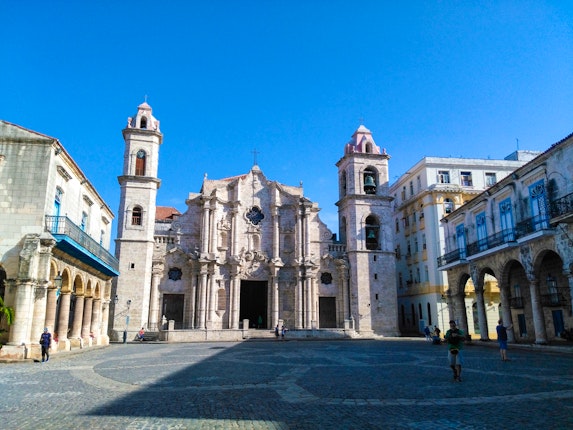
(254, 303)
(173, 308)
(327, 312)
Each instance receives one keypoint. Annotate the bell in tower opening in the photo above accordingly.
(369, 183)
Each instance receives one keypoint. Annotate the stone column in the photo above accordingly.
(157, 271)
(299, 246)
(299, 302)
(234, 302)
(276, 234)
(482, 316)
(213, 225)
(202, 299)
(458, 302)
(205, 228)
(95, 325)
(343, 290)
(87, 318)
(307, 303)
(275, 296)
(23, 312)
(537, 311)
(506, 310)
(39, 318)
(64, 316)
(313, 301)
(193, 301)
(78, 316)
(212, 300)
(569, 276)
(104, 320)
(51, 303)
(234, 231)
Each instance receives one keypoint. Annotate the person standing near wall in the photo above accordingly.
(45, 342)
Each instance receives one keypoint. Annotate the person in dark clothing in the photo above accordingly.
(455, 339)
(502, 339)
(45, 342)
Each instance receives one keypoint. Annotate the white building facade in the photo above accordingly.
(55, 230)
(249, 253)
(432, 188)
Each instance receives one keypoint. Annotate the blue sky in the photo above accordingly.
(293, 79)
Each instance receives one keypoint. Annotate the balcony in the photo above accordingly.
(450, 257)
(562, 209)
(532, 225)
(493, 241)
(553, 300)
(72, 240)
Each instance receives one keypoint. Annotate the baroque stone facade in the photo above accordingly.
(252, 253)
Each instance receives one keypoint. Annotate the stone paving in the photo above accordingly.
(365, 384)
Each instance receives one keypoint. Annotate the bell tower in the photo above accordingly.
(365, 220)
(136, 223)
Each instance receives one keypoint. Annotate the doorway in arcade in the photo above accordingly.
(254, 302)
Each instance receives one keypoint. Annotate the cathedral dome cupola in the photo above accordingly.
(144, 119)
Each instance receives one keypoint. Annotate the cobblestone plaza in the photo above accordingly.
(370, 384)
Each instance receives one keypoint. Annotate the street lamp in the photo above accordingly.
(126, 321)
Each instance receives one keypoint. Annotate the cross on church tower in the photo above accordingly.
(255, 152)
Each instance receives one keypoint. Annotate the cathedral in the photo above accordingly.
(250, 253)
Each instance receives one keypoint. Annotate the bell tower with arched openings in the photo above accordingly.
(136, 223)
(365, 227)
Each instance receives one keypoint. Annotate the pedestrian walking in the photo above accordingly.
(283, 332)
(141, 334)
(502, 339)
(427, 333)
(277, 331)
(437, 331)
(45, 342)
(455, 339)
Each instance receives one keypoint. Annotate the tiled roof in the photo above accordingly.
(165, 213)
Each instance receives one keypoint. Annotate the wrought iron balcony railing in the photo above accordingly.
(497, 239)
(63, 226)
(562, 206)
(553, 300)
(532, 225)
(450, 257)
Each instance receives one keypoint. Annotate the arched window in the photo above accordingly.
(342, 184)
(140, 162)
(372, 232)
(136, 216)
(143, 123)
(369, 148)
(448, 206)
